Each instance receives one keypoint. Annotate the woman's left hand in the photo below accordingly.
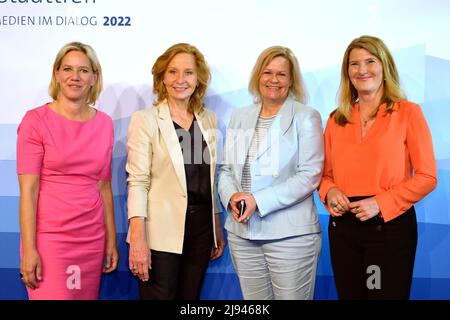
(365, 209)
(111, 257)
(250, 207)
(217, 252)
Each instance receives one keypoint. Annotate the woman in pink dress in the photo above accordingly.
(64, 151)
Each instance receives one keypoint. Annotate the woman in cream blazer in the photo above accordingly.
(174, 229)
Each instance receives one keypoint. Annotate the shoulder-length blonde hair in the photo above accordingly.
(348, 95)
(196, 103)
(96, 89)
(297, 88)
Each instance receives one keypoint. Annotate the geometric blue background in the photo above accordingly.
(426, 80)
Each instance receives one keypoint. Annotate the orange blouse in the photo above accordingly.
(394, 161)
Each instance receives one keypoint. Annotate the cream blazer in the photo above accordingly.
(156, 178)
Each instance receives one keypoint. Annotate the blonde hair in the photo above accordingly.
(196, 103)
(348, 93)
(95, 90)
(297, 88)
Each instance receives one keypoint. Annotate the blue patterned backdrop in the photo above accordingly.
(424, 66)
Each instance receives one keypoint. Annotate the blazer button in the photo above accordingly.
(275, 175)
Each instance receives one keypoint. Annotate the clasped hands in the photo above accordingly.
(250, 206)
(338, 203)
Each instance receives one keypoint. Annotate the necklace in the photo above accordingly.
(370, 118)
(366, 122)
(183, 118)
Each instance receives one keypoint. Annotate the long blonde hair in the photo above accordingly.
(348, 94)
(196, 103)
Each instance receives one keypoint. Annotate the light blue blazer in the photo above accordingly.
(286, 171)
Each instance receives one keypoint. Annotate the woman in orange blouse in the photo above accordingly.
(379, 161)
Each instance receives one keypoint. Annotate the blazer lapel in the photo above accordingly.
(209, 135)
(279, 126)
(171, 140)
(245, 133)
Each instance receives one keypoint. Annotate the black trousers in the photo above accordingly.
(373, 260)
(180, 276)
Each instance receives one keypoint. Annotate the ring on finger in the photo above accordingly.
(333, 204)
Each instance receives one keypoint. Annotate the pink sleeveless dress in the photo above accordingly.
(70, 157)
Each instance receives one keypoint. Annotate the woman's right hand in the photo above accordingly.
(31, 268)
(140, 255)
(337, 202)
(250, 206)
(235, 198)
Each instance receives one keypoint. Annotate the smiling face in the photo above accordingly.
(365, 72)
(275, 81)
(75, 76)
(180, 77)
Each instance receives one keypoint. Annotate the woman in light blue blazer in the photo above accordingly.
(273, 160)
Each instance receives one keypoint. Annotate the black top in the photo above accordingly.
(196, 163)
